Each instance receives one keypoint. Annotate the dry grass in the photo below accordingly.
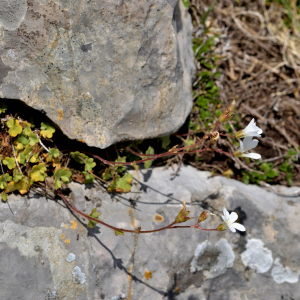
(259, 44)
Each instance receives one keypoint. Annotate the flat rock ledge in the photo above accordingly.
(47, 252)
(102, 71)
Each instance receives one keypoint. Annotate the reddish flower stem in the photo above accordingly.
(170, 226)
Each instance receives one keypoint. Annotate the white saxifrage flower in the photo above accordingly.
(247, 145)
(230, 219)
(250, 130)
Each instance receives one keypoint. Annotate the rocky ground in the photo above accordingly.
(47, 252)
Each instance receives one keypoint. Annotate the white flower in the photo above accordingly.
(230, 219)
(247, 145)
(250, 130)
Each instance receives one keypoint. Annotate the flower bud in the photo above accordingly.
(221, 227)
(214, 136)
(226, 115)
(206, 136)
(182, 215)
(203, 216)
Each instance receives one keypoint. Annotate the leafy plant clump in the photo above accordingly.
(27, 159)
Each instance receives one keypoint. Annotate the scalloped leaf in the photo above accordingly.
(27, 130)
(121, 185)
(52, 154)
(94, 214)
(79, 157)
(38, 172)
(89, 178)
(89, 164)
(9, 162)
(63, 174)
(21, 158)
(23, 139)
(3, 196)
(108, 173)
(22, 186)
(19, 146)
(17, 176)
(33, 139)
(14, 127)
(3, 181)
(47, 130)
(121, 169)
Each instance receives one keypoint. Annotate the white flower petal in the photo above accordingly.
(224, 219)
(232, 228)
(241, 147)
(233, 217)
(239, 227)
(252, 155)
(250, 125)
(249, 143)
(226, 214)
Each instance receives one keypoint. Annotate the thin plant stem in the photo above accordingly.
(170, 226)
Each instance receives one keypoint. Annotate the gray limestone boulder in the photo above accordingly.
(103, 70)
(47, 252)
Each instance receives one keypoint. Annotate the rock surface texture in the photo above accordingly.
(46, 252)
(102, 70)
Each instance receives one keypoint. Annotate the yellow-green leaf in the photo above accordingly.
(148, 163)
(17, 175)
(22, 186)
(121, 185)
(89, 164)
(47, 130)
(14, 127)
(27, 129)
(19, 146)
(22, 139)
(108, 173)
(33, 139)
(4, 196)
(119, 232)
(38, 172)
(89, 178)
(79, 157)
(21, 158)
(120, 168)
(63, 174)
(94, 214)
(9, 162)
(3, 181)
(52, 154)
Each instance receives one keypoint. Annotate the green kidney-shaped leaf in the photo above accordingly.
(47, 130)
(22, 139)
(79, 157)
(9, 162)
(17, 175)
(89, 178)
(14, 127)
(53, 153)
(33, 139)
(94, 214)
(89, 164)
(63, 174)
(3, 181)
(38, 172)
(121, 185)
